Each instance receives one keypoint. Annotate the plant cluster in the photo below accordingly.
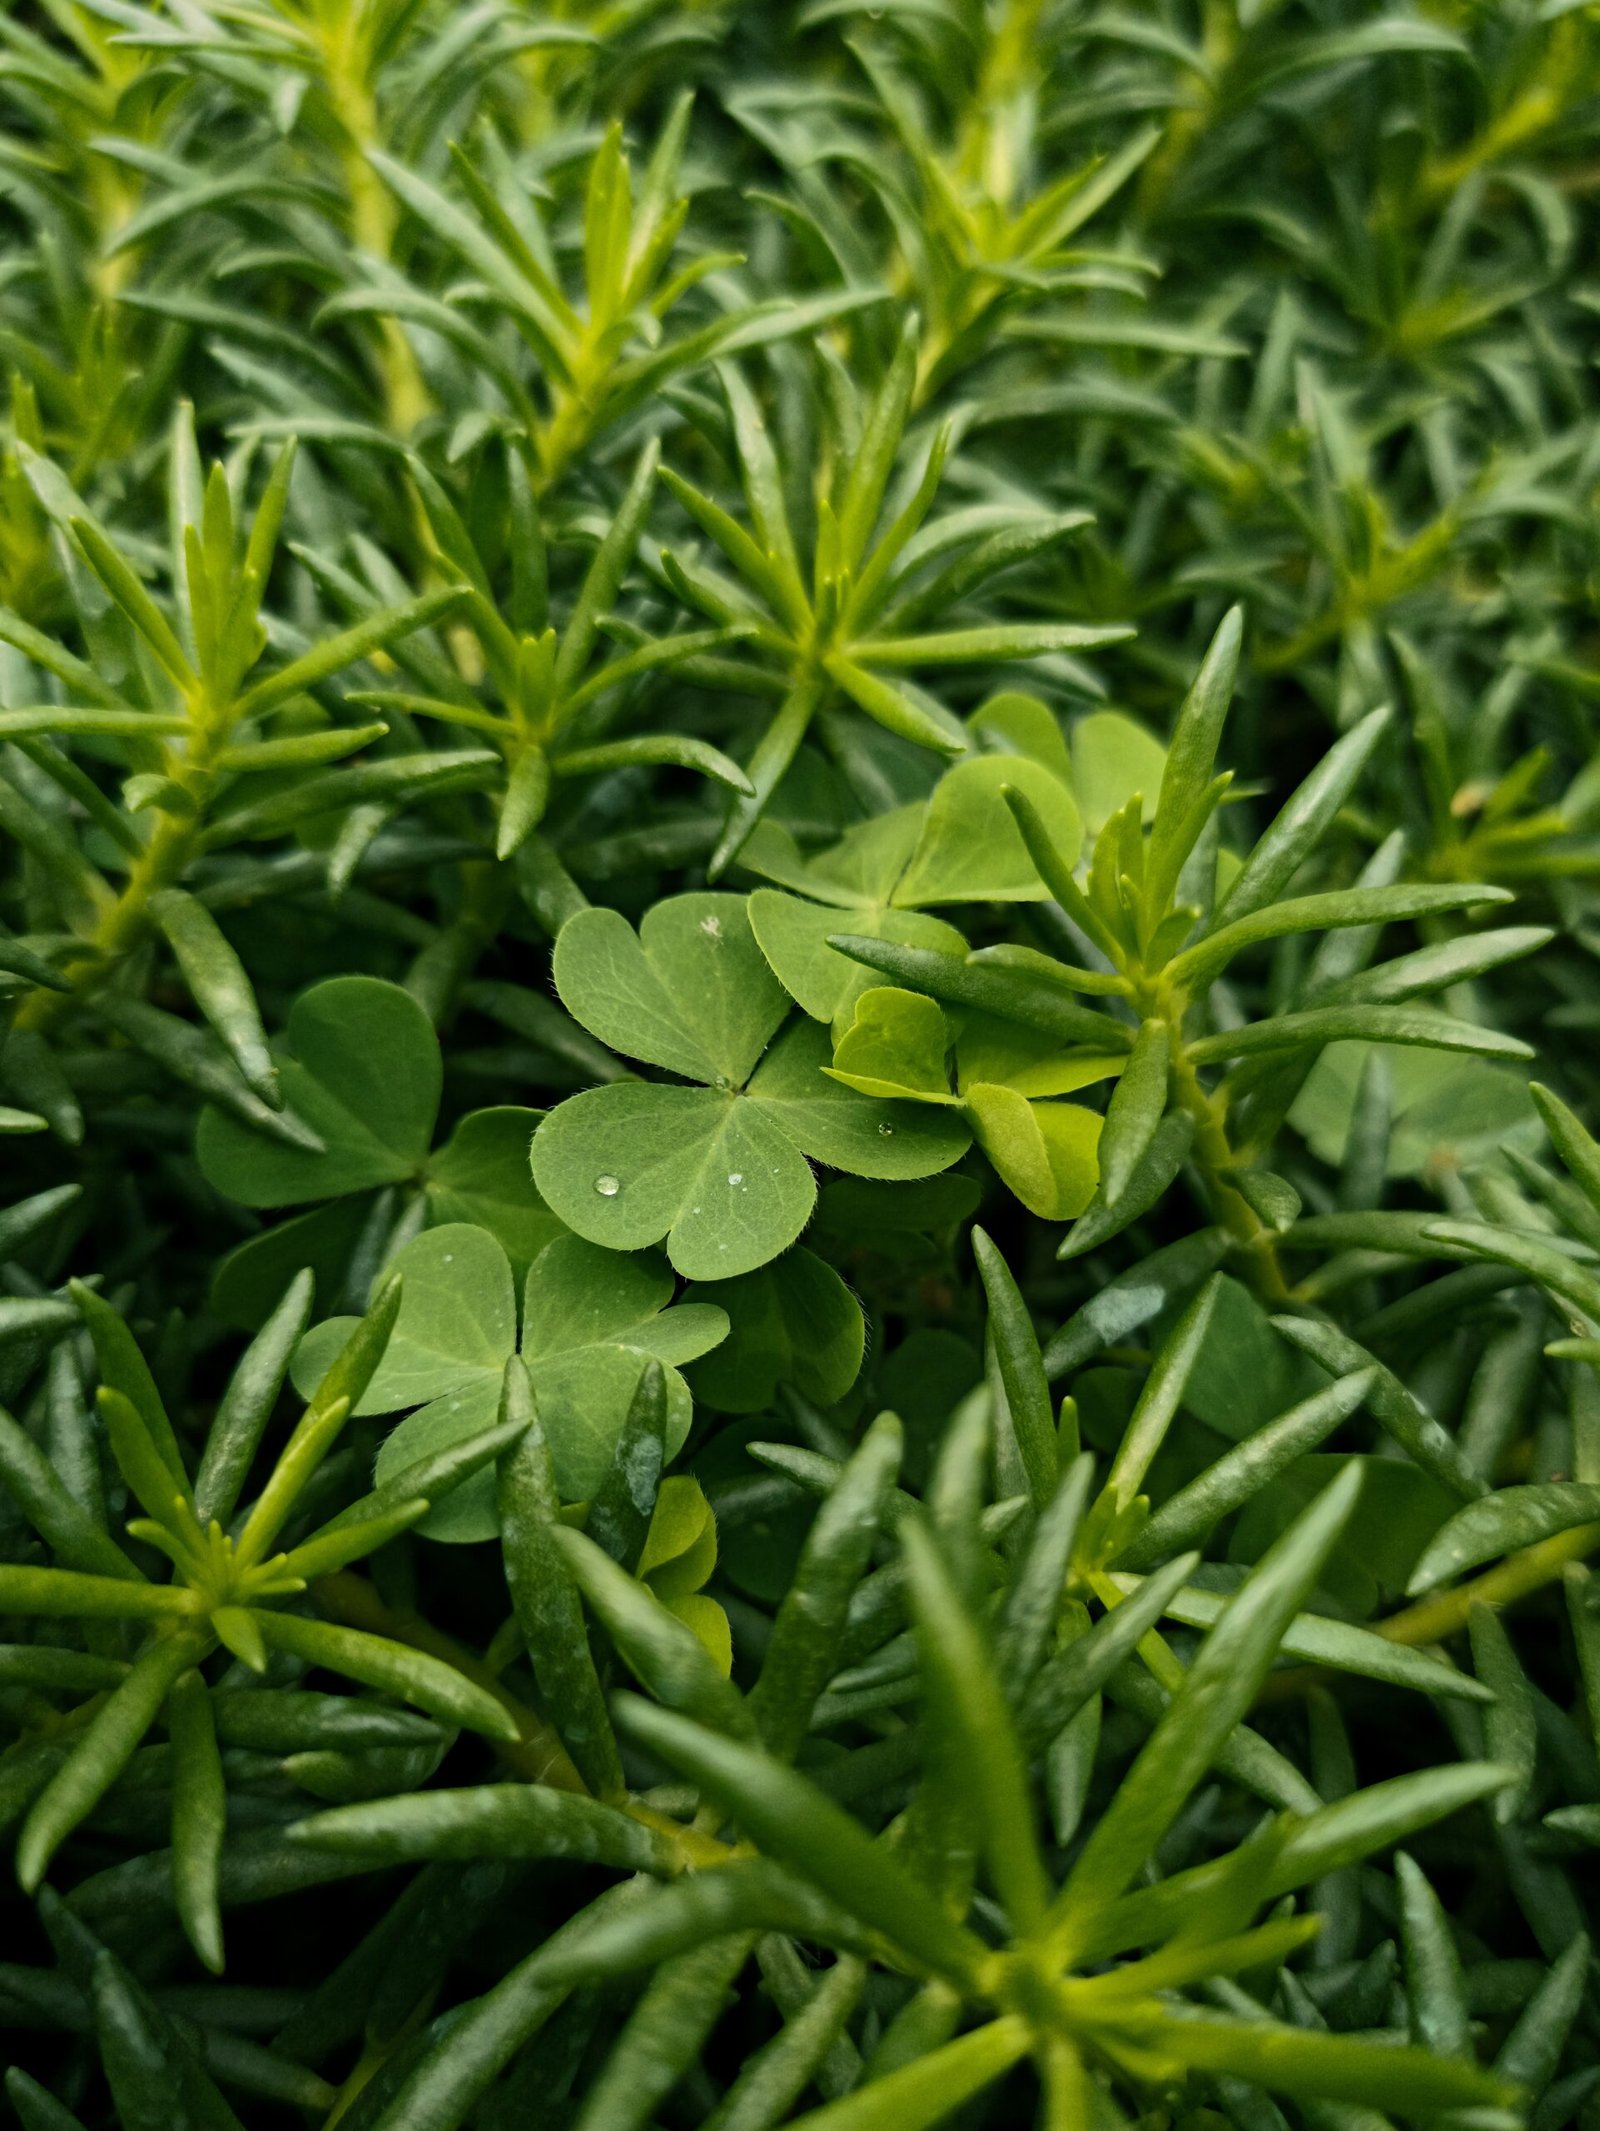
(799, 892)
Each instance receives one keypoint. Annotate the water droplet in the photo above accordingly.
(607, 1186)
(735, 1176)
(887, 1130)
(449, 1257)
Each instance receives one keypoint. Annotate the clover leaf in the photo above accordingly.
(793, 1322)
(1371, 1562)
(720, 1170)
(859, 874)
(970, 849)
(1448, 1113)
(680, 1552)
(960, 845)
(361, 1058)
(591, 1319)
(1113, 758)
(1007, 1079)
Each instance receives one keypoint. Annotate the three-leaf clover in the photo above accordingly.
(360, 1063)
(1008, 1081)
(591, 1319)
(720, 1168)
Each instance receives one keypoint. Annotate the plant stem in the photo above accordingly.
(445, 964)
(160, 865)
(1432, 1620)
(1219, 40)
(374, 216)
(1212, 1151)
(537, 1755)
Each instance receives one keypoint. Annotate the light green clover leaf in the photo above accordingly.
(1449, 1113)
(591, 1319)
(961, 845)
(858, 874)
(719, 1170)
(970, 849)
(680, 1553)
(1112, 758)
(1006, 1080)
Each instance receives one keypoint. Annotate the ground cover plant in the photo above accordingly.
(799, 893)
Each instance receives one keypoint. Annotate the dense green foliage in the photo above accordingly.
(799, 883)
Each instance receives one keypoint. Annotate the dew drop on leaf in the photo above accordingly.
(887, 1130)
(608, 1186)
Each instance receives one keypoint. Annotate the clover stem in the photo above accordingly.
(537, 1755)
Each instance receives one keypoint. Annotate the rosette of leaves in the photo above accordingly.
(960, 846)
(1489, 817)
(550, 708)
(585, 358)
(718, 1162)
(873, 603)
(208, 760)
(1160, 923)
(590, 1322)
(139, 1646)
(981, 225)
(359, 1061)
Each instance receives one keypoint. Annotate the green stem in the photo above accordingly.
(123, 923)
(1186, 127)
(446, 963)
(1434, 1619)
(537, 1755)
(1212, 1151)
(374, 216)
